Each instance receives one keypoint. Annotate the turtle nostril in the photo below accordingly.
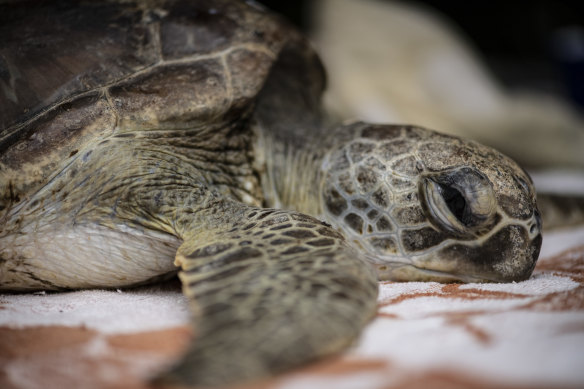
(535, 223)
(537, 219)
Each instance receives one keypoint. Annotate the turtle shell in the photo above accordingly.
(73, 72)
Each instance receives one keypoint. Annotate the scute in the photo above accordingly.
(112, 69)
(47, 62)
(248, 69)
(192, 28)
(172, 96)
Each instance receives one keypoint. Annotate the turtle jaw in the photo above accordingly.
(508, 255)
(398, 271)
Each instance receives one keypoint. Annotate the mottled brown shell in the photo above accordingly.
(73, 72)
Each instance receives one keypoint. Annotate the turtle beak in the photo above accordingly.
(509, 254)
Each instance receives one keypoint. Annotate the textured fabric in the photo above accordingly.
(520, 335)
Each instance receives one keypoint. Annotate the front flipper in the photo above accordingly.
(269, 291)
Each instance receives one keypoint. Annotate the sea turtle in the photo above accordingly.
(139, 137)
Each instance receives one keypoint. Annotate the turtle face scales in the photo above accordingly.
(426, 206)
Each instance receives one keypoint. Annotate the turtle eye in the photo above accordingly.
(445, 205)
(455, 201)
(459, 201)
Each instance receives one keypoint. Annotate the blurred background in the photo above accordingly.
(508, 74)
(535, 44)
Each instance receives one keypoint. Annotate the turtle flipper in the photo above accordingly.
(276, 290)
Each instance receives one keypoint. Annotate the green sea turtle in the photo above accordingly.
(137, 138)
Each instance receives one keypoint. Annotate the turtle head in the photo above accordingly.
(427, 206)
